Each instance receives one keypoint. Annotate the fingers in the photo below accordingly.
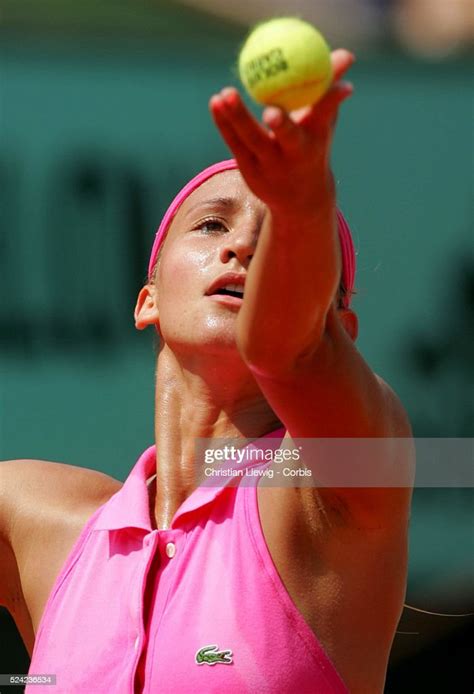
(325, 111)
(323, 115)
(231, 110)
(242, 154)
(251, 142)
(329, 105)
(288, 135)
(341, 61)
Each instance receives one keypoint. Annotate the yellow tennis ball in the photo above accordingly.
(285, 62)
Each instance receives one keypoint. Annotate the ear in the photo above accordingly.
(146, 310)
(350, 322)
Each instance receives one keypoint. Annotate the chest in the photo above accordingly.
(181, 610)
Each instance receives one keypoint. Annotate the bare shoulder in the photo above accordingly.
(34, 492)
(398, 422)
(52, 483)
(43, 508)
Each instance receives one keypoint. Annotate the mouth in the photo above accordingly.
(227, 297)
(228, 288)
(237, 292)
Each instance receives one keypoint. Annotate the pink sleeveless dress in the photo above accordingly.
(220, 620)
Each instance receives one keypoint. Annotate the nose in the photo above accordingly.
(240, 244)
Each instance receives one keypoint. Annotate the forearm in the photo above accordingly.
(291, 282)
(295, 270)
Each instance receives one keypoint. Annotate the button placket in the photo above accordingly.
(141, 569)
(178, 537)
(149, 544)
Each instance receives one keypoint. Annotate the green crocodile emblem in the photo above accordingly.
(211, 655)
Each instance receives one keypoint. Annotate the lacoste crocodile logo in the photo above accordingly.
(210, 655)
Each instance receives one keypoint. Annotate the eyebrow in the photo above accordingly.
(219, 201)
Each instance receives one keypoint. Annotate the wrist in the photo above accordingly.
(309, 215)
(313, 202)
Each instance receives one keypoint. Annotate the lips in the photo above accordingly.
(229, 284)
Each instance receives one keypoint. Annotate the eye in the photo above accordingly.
(210, 225)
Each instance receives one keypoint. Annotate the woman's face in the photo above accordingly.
(214, 232)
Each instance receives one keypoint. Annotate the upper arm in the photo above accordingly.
(40, 503)
(9, 576)
(333, 393)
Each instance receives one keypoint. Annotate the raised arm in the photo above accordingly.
(297, 343)
(296, 268)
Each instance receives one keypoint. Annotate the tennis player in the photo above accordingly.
(166, 585)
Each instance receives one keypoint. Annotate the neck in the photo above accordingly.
(212, 397)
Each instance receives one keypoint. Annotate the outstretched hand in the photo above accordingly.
(285, 160)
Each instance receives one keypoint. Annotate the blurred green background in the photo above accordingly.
(104, 117)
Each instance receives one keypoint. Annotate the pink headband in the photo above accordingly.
(345, 238)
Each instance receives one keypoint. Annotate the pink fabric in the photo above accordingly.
(345, 237)
(221, 587)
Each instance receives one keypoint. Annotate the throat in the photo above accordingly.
(151, 488)
(161, 514)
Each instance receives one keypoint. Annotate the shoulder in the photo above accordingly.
(34, 489)
(43, 507)
(369, 467)
(396, 417)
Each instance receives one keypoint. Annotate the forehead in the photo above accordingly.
(227, 185)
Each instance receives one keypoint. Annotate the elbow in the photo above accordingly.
(277, 359)
(269, 363)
